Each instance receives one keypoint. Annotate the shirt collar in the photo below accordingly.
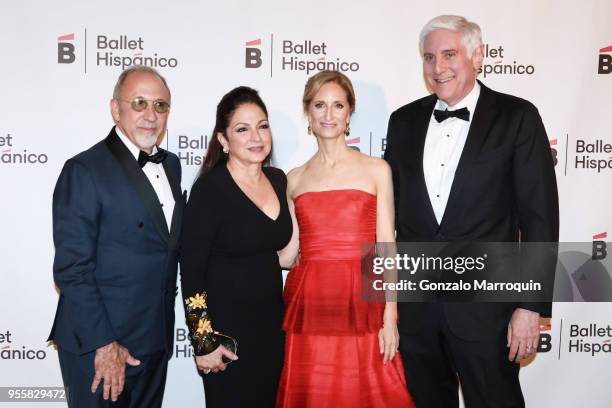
(468, 102)
(131, 146)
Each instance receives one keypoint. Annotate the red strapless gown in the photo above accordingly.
(332, 357)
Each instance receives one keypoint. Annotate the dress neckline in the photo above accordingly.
(280, 203)
(335, 191)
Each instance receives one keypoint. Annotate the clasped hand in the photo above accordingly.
(213, 361)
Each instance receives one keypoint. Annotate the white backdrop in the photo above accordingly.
(58, 70)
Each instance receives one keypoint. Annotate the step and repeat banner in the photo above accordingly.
(60, 61)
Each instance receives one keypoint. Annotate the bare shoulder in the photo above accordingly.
(375, 165)
(293, 178)
(380, 171)
(295, 173)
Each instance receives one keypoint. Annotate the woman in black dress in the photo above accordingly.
(236, 220)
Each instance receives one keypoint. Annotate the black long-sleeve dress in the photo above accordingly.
(229, 251)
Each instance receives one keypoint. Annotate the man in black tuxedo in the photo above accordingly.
(117, 211)
(469, 164)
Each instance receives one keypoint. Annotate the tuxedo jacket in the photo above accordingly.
(115, 259)
(504, 189)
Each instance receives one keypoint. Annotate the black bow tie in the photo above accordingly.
(442, 115)
(158, 157)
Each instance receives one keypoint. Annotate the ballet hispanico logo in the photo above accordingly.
(252, 54)
(11, 351)
(9, 155)
(600, 247)
(191, 150)
(295, 55)
(354, 142)
(592, 339)
(111, 51)
(182, 344)
(66, 49)
(593, 155)
(605, 60)
(309, 56)
(545, 344)
(553, 150)
(124, 51)
(497, 63)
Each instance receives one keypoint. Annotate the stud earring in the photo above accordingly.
(309, 130)
(225, 150)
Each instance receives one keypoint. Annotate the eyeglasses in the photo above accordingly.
(140, 104)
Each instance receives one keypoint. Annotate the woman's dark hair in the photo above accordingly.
(225, 110)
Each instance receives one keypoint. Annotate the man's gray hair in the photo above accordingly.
(471, 36)
(136, 68)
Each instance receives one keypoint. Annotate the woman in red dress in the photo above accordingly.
(340, 351)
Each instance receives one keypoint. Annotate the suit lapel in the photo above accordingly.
(479, 130)
(140, 182)
(177, 214)
(421, 125)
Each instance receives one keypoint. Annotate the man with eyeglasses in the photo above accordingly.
(117, 211)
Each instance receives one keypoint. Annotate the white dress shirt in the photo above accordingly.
(443, 147)
(157, 177)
